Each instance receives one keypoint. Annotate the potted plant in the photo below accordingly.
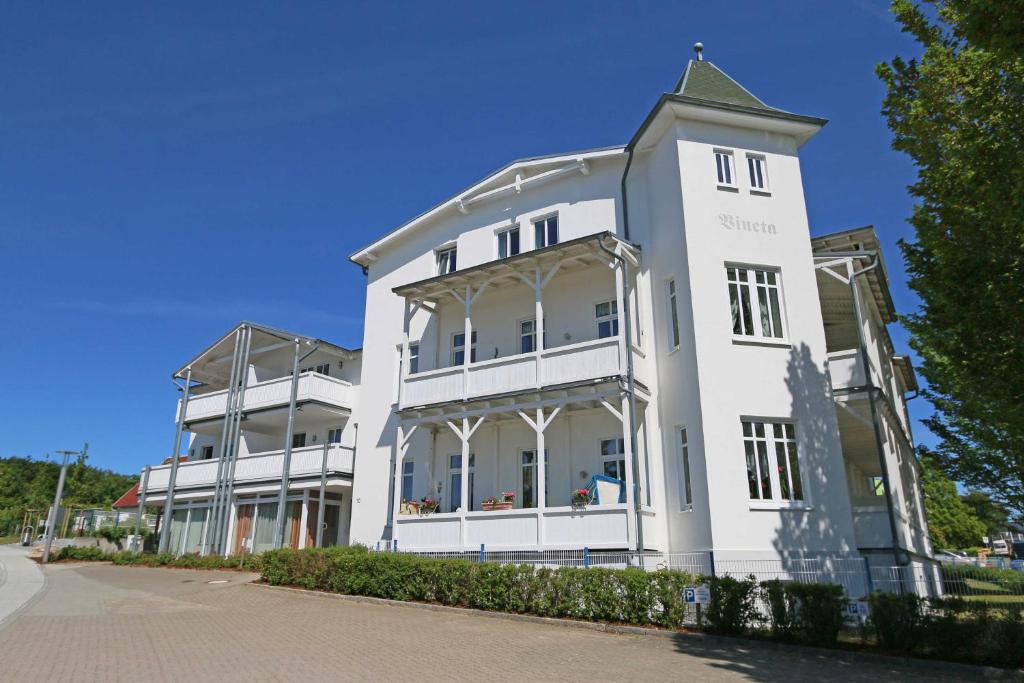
(487, 504)
(504, 501)
(580, 497)
(428, 505)
(409, 507)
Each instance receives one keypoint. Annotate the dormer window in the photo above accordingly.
(446, 260)
(545, 232)
(757, 167)
(725, 168)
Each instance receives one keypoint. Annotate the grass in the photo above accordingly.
(4, 540)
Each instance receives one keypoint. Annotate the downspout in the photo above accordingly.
(631, 390)
(879, 440)
(625, 196)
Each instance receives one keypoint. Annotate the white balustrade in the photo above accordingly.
(276, 392)
(846, 369)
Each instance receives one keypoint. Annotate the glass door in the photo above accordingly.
(266, 518)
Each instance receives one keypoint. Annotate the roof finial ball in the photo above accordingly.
(699, 49)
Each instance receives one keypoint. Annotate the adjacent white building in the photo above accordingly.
(652, 323)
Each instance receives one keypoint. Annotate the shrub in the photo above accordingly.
(87, 554)
(897, 620)
(818, 614)
(781, 611)
(732, 609)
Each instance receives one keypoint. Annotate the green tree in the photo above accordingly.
(951, 522)
(958, 112)
(992, 515)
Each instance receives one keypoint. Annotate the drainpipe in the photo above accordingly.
(286, 464)
(631, 390)
(173, 477)
(625, 200)
(879, 440)
(221, 538)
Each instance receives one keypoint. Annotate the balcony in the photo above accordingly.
(846, 369)
(597, 526)
(274, 393)
(589, 360)
(306, 462)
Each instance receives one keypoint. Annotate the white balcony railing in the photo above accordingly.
(275, 392)
(599, 526)
(560, 365)
(256, 467)
(846, 369)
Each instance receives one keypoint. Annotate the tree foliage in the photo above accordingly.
(958, 112)
(28, 483)
(991, 514)
(951, 522)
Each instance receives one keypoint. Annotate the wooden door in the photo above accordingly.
(243, 530)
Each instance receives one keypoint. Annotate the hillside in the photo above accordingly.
(26, 482)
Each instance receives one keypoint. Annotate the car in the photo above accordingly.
(1001, 548)
(952, 557)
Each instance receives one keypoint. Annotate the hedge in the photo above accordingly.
(93, 554)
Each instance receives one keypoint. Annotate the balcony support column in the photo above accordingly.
(402, 440)
(539, 425)
(467, 349)
(282, 496)
(537, 284)
(403, 367)
(226, 524)
(169, 503)
(465, 434)
(229, 399)
(142, 508)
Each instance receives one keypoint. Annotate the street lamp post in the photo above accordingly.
(51, 520)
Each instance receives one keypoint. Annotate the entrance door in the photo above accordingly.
(243, 531)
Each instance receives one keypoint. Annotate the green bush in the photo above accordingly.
(93, 554)
(898, 620)
(87, 554)
(631, 596)
(733, 604)
(818, 610)
(781, 610)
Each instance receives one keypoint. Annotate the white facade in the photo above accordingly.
(696, 363)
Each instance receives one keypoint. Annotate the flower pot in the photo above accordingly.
(487, 507)
(504, 505)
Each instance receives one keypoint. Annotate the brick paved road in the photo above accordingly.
(100, 622)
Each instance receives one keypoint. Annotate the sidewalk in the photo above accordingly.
(20, 580)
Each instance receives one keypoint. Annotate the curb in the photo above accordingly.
(849, 656)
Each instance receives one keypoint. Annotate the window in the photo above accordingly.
(673, 316)
(446, 261)
(334, 435)
(414, 357)
(407, 474)
(322, 369)
(723, 164)
(773, 468)
(299, 440)
(455, 481)
(545, 232)
(607, 314)
(206, 453)
(768, 321)
(757, 166)
(685, 494)
(527, 336)
(528, 466)
(459, 348)
(508, 243)
(613, 458)
(876, 485)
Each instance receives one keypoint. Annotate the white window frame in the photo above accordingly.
(612, 317)
(520, 335)
(672, 304)
(755, 283)
(775, 435)
(444, 263)
(618, 458)
(505, 234)
(414, 357)
(685, 473)
(532, 467)
(408, 478)
(455, 348)
(757, 164)
(546, 242)
(725, 168)
(334, 435)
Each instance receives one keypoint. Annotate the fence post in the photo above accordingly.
(394, 546)
(867, 573)
(481, 552)
(586, 557)
(711, 562)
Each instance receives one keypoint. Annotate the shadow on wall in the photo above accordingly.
(827, 527)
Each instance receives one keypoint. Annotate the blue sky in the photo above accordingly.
(169, 169)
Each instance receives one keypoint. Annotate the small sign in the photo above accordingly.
(857, 609)
(697, 595)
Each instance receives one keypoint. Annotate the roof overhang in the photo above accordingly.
(582, 252)
(671, 106)
(862, 245)
(211, 360)
(511, 178)
(906, 370)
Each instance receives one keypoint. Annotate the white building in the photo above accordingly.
(652, 323)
